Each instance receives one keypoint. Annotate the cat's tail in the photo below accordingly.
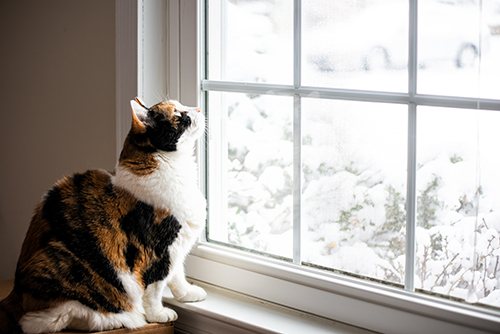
(10, 314)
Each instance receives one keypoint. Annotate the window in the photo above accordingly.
(349, 146)
(313, 155)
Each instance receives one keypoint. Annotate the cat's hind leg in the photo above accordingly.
(153, 305)
(74, 315)
(52, 320)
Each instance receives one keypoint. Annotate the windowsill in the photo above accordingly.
(226, 311)
(339, 298)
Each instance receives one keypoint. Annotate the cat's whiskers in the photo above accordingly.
(161, 96)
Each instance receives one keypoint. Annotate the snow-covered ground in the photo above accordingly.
(354, 162)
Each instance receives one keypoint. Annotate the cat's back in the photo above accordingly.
(78, 207)
(80, 199)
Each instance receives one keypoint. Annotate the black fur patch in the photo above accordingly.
(131, 254)
(164, 137)
(157, 271)
(162, 133)
(140, 227)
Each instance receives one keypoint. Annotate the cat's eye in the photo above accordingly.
(177, 113)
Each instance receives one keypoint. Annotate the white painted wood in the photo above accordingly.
(340, 298)
(126, 66)
(153, 51)
(228, 312)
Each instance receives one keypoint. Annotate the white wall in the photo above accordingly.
(57, 109)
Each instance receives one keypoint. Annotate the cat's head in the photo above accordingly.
(167, 126)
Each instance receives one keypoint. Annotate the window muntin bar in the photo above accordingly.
(410, 199)
(297, 133)
(353, 95)
(412, 148)
(297, 180)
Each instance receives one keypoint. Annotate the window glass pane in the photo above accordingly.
(355, 44)
(457, 183)
(448, 48)
(257, 209)
(250, 41)
(354, 188)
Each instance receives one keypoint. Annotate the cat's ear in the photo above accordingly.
(138, 100)
(139, 116)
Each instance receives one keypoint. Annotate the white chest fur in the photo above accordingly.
(172, 186)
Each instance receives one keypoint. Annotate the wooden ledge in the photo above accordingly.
(168, 328)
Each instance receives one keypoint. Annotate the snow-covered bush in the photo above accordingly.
(355, 218)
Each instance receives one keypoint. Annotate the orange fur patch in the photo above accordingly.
(139, 163)
(167, 108)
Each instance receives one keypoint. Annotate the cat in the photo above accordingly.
(102, 246)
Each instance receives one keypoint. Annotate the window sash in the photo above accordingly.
(412, 99)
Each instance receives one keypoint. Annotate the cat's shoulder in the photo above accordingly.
(91, 182)
(87, 178)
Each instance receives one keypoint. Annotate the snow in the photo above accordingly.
(354, 157)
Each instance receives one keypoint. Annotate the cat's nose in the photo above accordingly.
(198, 110)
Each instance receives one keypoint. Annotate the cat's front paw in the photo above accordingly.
(192, 294)
(164, 315)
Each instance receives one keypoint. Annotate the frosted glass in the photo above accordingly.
(354, 187)
(355, 44)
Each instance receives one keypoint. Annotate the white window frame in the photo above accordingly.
(172, 30)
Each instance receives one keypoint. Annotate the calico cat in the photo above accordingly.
(102, 246)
